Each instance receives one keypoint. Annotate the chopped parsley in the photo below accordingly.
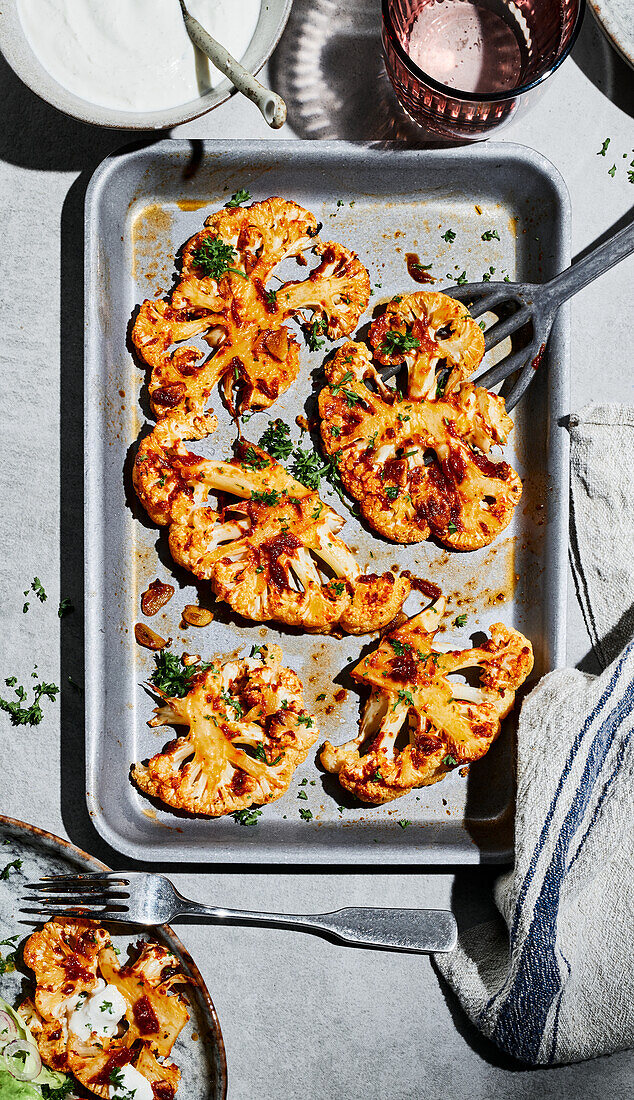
(460, 620)
(451, 527)
(305, 720)
(394, 343)
(266, 497)
(172, 676)
(337, 587)
(392, 492)
(106, 1006)
(303, 796)
(231, 702)
(260, 754)
(449, 760)
(38, 588)
(238, 198)
(462, 278)
(400, 648)
(214, 258)
(271, 297)
(604, 148)
(305, 814)
(254, 460)
(490, 235)
(612, 171)
(404, 697)
(449, 236)
(248, 816)
(65, 607)
(308, 467)
(311, 334)
(14, 865)
(321, 696)
(277, 440)
(482, 324)
(404, 823)
(32, 714)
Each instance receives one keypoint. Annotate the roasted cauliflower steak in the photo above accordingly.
(222, 298)
(445, 723)
(419, 465)
(247, 730)
(73, 959)
(272, 553)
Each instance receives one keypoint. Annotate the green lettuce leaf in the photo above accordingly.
(10, 1089)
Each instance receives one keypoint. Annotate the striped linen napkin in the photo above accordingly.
(552, 979)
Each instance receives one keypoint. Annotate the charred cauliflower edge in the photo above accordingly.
(418, 463)
(445, 723)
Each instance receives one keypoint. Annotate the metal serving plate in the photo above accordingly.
(383, 201)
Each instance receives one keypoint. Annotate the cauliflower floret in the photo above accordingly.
(418, 467)
(435, 335)
(338, 290)
(447, 723)
(274, 553)
(222, 298)
(247, 731)
(69, 958)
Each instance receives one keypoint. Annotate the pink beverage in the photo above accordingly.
(468, 45)
(464, 68)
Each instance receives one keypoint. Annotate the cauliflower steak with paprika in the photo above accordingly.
(98, 1019)
(271, 552)
(247, 729)
(444, 722)
(419, 463)
(222, 298)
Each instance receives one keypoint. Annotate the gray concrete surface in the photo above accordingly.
(303, 1019)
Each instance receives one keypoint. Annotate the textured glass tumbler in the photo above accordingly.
(521, 42)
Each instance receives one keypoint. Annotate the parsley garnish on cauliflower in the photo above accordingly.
(247, 729)
(223, 299)
(419, 463)
(272, 552)
(447, 723)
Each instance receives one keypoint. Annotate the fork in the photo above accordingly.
(137, 897)
(538, 303)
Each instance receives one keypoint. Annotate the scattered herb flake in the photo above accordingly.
(248, 816)
(462, 278)
(404, 823)
(449, 760)
(449, 236)
(604, 148)
(612, 171)
(490, 235)
(395, 343)
(14, 865)
(305, 814)
(65, 607)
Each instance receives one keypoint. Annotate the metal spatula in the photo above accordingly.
(537, 304)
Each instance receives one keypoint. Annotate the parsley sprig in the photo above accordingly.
(394, 343)
(172, 676)
(276, 440)
(31, 714)
(214, 258)
(238, 198)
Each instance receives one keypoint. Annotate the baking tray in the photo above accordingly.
(384, 201)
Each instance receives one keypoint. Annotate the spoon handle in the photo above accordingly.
(271, 105)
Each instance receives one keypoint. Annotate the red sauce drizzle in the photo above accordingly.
(415, 269)
(117, 1059)
(146, 1019)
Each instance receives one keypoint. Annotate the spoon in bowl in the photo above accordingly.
(271, 105)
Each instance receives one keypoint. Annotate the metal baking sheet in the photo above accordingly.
(383, 201)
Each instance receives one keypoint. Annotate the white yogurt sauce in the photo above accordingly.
(133, 55)
(98, 1013)
(132, 1085)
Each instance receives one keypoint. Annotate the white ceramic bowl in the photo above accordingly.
(16, 50)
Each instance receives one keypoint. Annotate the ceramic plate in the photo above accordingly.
(199, 1050)
(617, 21)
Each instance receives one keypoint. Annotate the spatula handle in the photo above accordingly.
(601, 259)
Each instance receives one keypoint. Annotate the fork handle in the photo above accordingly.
(420, 930)
(618, 247)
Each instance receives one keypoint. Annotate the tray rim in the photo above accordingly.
(557, 466)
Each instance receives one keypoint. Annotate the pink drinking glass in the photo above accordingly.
(503, 51)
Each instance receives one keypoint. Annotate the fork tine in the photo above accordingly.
(91, 900)
(97, 878)
(501, 329)
(79, 914)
